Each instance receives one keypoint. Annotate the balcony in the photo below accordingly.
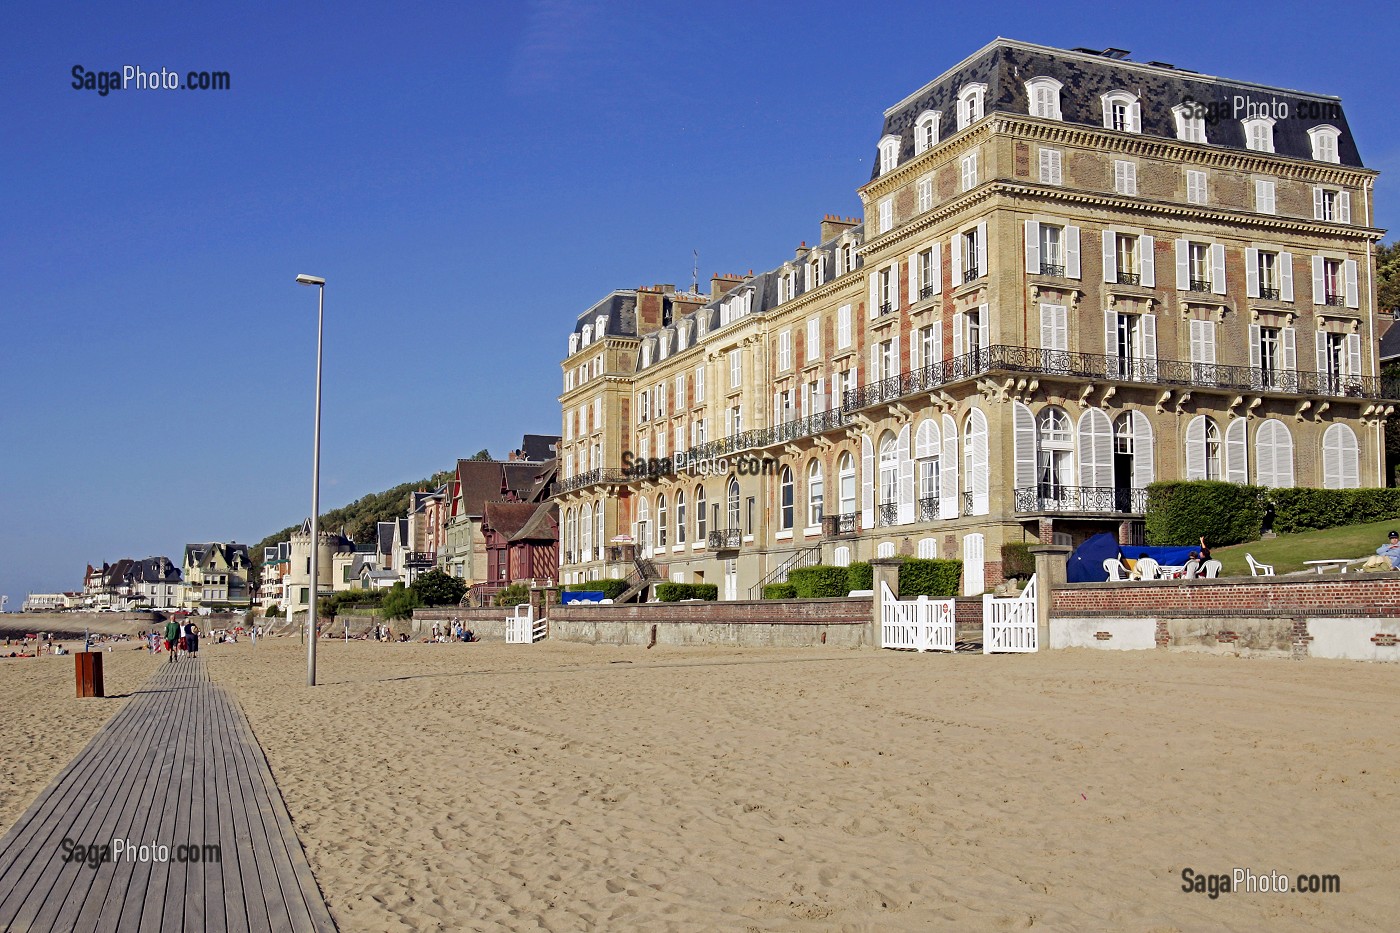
(971, 274)
(592, 477)
(886, 514)
(1334, 300)
(1268, 294)
(1090, 499)
(884, 308)
(1199, 285)
(928, 508)
(928, 290)
(419, 559)
(1129, 278)
(846, 525)
(726, 539)
(1053, 269)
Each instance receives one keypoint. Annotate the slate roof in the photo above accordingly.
(621, 310)
(543, 525)
(540, 447)
(481, 481)
(508, 518)
(156, 570)
(1004, 65)
(1390, 343)
(385, 534)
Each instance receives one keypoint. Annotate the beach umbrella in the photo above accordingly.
(1086, 563)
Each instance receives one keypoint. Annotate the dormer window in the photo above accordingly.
(845, 257)
(787, 285)
(646, 354)
(889, 154)
(1259, 134)
(1122, 112)
(1190, 123)
(926, 130)
(587, 335)
(815, 272)
(1043, 97)
(971, 104)
(663, 346)
(573, 344)
(1324, 143)
(600, 326)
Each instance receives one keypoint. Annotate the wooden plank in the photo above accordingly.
(234, 910)
(268, 895)
(184, 793)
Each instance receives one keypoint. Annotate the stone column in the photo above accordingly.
(883, 570)
(551, 597)
(537, 602)
(1051, 562)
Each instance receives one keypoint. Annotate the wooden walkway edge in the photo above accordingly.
(176, 767)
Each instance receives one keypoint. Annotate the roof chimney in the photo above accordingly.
(834, 226)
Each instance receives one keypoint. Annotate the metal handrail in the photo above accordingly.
(1045, 498)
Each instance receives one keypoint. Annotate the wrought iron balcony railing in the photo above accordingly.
(1268, 294)
(1048, 498)
(885, 308)
(726, 539)
(1129, 278)
(846, 525)
(1199, 285)
(927, 290)
(928, 508)
(1055, 269)
(1331, 299)
(886, 514)
(593, 477)
(419, 559)
(971, 274)
(968, 502)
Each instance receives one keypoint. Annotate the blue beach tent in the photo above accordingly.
(1086, 563)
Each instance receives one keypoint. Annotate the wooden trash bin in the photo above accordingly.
(89, 671)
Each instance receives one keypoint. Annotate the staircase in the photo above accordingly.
(807, 557)
(643, 575)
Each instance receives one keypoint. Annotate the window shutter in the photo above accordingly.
(913, 260)
(1254, 352)
(1236, 453)
(1183, 264)
(1318, 290)
(1196, 448)
(1285, 276)
(867, 482)
(1072, 252)
(1331, 459)
(1353, 293)
(957, 334)
(957, 259)
(1320, 346)
(937, 267)
(977, 438)
(1251, 273)
(982, 248)
(905, 510)
(1149, 347)
(1353, 354)
(894, 284)
(1110, 257)
(1095, 450)
(1110, 341)
(914, 350)
(1143, 467)
(1023, 423)
(1317, 203)
(1344, 206)
(1047, 327)
(1032, 247)
(948, 470)
(1290, 353)
(843, 326)
(874, 303)
(1217, 268)
(777, 408)
(1147, 261)
(1197, 350)
(873, 374)
(894, 357)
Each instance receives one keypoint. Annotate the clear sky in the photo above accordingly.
(468, 177)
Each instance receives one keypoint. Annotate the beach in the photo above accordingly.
(565, 787)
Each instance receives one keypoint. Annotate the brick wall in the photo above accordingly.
(1341, 595)
(844, 610)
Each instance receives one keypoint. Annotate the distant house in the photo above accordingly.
(276, 563)
(216, 576)
(474, 485)
(522, 544)
(128, 584)
(297, 584)
(156, 582)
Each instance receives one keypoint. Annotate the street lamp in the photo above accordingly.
(320, 283)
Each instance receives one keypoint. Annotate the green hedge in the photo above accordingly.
(819, 580)
(1179, 513)
(513, 595)
(611, 587)
(1016, 561)
(859, 576)
(779, 591)
(1311, 509)
(675, 592)
(936, 579)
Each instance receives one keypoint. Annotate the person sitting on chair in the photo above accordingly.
(1391, 550)
(1146, 567)
(1192, 569)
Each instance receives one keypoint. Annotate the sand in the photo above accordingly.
(569, 787)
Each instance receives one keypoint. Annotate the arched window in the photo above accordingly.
(815, 493)
(1324, 143)
(586, 537)
(1203, 448)
(926, 131)
(1043, 98)
(1054, 454)
(928, 548)
(569, 536)
(1122, 112)
(1273, 454)
(661, 520)
(733, 504)
(700, 514)
(785, 503)
(1259, 134)
(846, 480)
(680, 516)
(587, 334)
(971, 104)
(1190, 122)
(888, 490)
(927, 446)
(889, 154)
(884, 549)
(1236, 452)
(1339, 458)
(842, 557)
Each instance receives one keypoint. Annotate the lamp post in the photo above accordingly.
(320, 284)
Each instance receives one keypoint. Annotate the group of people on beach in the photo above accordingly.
(181, 639)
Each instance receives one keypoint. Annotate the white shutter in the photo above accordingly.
(1023, 424)
(1255, 359)
(1110, 257)
(894, 285)
(1196, 448)
(936, 267)
(1331, 458)
(1110, 341)
(937, 344)
(1320, 348)
(894, 357)
(1318, 289)
(873, 373)
(1147, 261)
(913, 260)
(843, 326)
(1251, 273)
(1317, 203)
(1353, 293)
(1353, 354)
(777, 408)
(957, 259)
(1149, 347)
(1285, 276)
(1054, 327)
(867, 482)
(1198, 341)
(1290, 356)
(914, 362)
(1032, 247)
(1144, 471)
(905, 511)
(948, 470)
(977, 438)
(1236, 453)
(1217, 268)
(874, 304)
(1264, 454)
(1095, 450)
(982, 248)
(957, 334)
(1183, 264)
(1071, 252)
(1344, 206)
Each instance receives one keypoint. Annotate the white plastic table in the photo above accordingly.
(1322, 565)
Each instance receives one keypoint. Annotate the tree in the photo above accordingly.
(399, 602)
(482, 454)
(1388, 276)
(436, 588)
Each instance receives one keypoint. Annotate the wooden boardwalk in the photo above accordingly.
(177, 765)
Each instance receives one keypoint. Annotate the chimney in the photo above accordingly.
(722, 284)
(802, 251)
(649, 308)
(833, 226)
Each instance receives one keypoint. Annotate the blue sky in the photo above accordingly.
(468, 177)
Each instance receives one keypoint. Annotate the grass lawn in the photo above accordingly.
(1287, 552)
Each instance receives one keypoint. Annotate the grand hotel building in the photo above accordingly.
(1076, 274)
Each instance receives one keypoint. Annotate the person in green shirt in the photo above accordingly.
(172, 638)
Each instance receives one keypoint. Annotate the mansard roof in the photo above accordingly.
(620, 307)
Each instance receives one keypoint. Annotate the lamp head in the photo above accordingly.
(304, 279)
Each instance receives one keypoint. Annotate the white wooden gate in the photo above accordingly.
(1009, 624)
(974, 572)
(522, 628)
(921, 624)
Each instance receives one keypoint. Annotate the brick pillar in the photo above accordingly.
(537, 602)
(1051, 562)
(883, 570)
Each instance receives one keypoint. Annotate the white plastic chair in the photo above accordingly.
(1211, 569)
(1116, 571)
(1147, 569)
(1257, 569)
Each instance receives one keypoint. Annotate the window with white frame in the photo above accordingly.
(845, 257)
(973, 250)
(926, 273)
(736, 420)
(786, 499)
(1051, 161)
(846, 484)
(886, 211)
(889, 154)
(1331, 204)
(1259, 134)
(843, 327)
(1122, 112)
(888, 486)
(680, 516)
(736, 368)
(884, 290)
(587, 337)
(1264, 283)
(1195, 187)
(1265, 201)
(1324, 143)
(699, 385)
(784, 350)
(1190, 123)
(1043, 98)
(1052, 250)
(787, 285)
(930, 343)
(969, 171)
(925, 193)
(816, 272)
(1124, 176)
(1054, 454)
(814, 339)
(1273, 454)
(926, 131)
(815, 493)
(971, 103)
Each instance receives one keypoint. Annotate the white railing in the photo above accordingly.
(921, 624)
(522, 628)
(1009, 624)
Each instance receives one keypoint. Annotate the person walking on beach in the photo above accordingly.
(172, 638)
(192, 639)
